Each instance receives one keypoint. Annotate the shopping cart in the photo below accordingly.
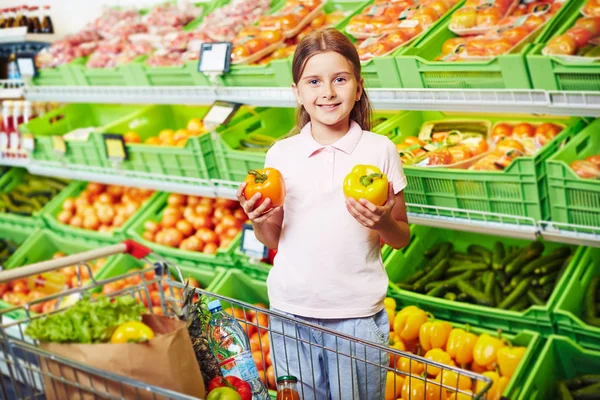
(26, 372)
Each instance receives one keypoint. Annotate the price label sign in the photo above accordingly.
(220, 113)
(250, 245)
(215, 57)
(58, 145)
(26, 65)
(27, 142)
(115, 147)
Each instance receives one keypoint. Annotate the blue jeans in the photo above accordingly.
(330, 367)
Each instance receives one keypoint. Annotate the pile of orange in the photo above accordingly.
(197, 223)
(170, 137)
(101, 207)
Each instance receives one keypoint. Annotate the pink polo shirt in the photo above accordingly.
(328, 265)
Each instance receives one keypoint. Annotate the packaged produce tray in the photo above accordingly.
(196, 159)
(42, 245)
(558, 73)
(418, 69)
(38, 193)
(155, 213)
(560, 359)
(518, 190)
(570, 305)
(401, 264)
(72, 191)
(575, 200)
(69, 118)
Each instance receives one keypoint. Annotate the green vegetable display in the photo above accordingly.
(510, 278)
(591, 306)
(87, 321)
(30, 195)
(579, 388)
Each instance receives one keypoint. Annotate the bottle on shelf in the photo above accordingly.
(287, 388)
(18, 17)
(24, 16)
(7, 124)
(13, 70)
(46, 24)
(2, 18)
(33, 21)
(10, 18)
(230, 346)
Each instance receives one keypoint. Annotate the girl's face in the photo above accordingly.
(328, 89)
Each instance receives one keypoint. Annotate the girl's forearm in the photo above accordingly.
(395, 234)
(268, 234)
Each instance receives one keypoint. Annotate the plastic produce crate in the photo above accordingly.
(57, 76)
(7, 183)
(418, 69)
(15, 232)
(154, 213)
(41, 246)
(207, 276)
(68, 118)
(575, 200)
(195, 160)
(570, 304)
(402, 263)
(73, 190)
(553, 73)
(560, 358)
(519, 190)
(123, 75)
(236, 285)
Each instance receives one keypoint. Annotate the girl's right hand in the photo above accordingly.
(259, 214)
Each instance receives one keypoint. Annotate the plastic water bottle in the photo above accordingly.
(229, 344)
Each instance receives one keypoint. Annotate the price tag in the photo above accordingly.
(220, 113)
(250, 244)
(58, 145)
(26, 65)
(115, 147)
(27, 142)
(215, 57)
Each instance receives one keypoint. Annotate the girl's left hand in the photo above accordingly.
(370, 215)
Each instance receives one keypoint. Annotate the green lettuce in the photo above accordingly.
(86, 321)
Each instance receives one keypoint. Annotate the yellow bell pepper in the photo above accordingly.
(408, 322)
(453, 380)
(434, 335)
(492, 393)
(460, 346)
(486, 348)
(438, 356)
(366, 182)
(509, 359)
(132, 332)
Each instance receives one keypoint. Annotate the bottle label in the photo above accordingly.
(241, 366)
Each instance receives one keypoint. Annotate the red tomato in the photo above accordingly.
(581, 36)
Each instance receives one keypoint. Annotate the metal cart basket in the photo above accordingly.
(26, 372)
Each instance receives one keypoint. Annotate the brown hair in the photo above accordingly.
(320, 42)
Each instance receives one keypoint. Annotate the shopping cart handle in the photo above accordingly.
(136, 250)
(38, 268)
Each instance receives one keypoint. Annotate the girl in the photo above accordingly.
(328, 269)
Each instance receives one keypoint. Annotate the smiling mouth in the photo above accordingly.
(328, 106)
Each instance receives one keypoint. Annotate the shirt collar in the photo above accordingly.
(346, 143)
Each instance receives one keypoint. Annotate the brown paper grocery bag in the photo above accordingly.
(167, 361)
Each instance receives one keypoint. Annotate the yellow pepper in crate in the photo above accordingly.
(434, 335)
(366, 182)
(460, 345)
(485, 352)
(509, 359)
(499, 385)
(408, 322)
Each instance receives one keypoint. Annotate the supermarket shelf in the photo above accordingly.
(12, 161)
(473, 221)
(573, 234)
(520, 101)
(11, 89)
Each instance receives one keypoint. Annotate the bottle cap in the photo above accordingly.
(290, 378)
(214, 305)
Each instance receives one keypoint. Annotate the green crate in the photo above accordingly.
(402, 263)
(41, 246)
(57, 76)
(553, 73)
(418, 69)
(575, 200)
(7, 183)
(123, 75)
(65, 119)
(560, 359)
(570, 304)
(15, 232)
(237, 285)
(234, 163)
(519, 190)
(207, 276)
(154, 213)
(54, 207)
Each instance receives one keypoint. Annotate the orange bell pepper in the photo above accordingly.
(434, 335)
(460, 346)
(408, 322)
(269, 183)
(486, 348)
(439, 356)
(509, 359)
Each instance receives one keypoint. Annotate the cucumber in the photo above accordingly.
(588, 392)
(538, 263)
(497, 294)
(534, 299)
(520, 305)
(451, 296)
(589, 302)
(473, 293)
(405, 286)
(489, 279)
(436, 273)
(498, 254)
(550, 278)
(467, 267)
(432, 251)
(516, 294)
(528, 254)
(445, 249)
(550, 267)
(480, 251)
(563, 391)
(451, 281)
(438, 291)
(415, 277)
